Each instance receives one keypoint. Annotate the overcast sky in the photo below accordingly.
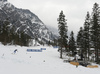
(48, 10)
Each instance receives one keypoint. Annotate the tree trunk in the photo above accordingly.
(97, 59)
(61, 53)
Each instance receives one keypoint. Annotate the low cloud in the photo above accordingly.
(48, 10)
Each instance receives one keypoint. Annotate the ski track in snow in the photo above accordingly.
(45, 62)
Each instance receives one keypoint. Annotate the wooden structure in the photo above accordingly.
(74, 63)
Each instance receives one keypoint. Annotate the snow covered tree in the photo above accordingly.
(62, 28)
(95, 29)
(72, 44)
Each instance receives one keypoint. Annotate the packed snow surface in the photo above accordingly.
(45, 62)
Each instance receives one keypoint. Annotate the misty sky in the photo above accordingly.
(48, 10)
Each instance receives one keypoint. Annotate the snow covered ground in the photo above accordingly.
(45, 62)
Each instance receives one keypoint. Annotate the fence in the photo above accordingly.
(36, 50)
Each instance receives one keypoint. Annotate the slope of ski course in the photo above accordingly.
(45, 62)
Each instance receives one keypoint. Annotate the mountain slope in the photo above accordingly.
(25, 20)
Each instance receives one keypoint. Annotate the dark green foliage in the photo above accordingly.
(4, 34)
(86, 35)
(62, 28)
(81, 42)
(8, 35)
(80, 39)
(72, 45)
(89, 37)
(95, 30)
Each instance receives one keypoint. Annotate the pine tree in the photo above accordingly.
(12, 36)
(86, 35)
(5, 31)
(72, 45)
(1, 30)
(80, 43)
(62, 28)
(9, 35)
(36, 38)
(95, 30)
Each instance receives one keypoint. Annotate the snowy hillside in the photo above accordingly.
(24, 20)
(45, 62)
